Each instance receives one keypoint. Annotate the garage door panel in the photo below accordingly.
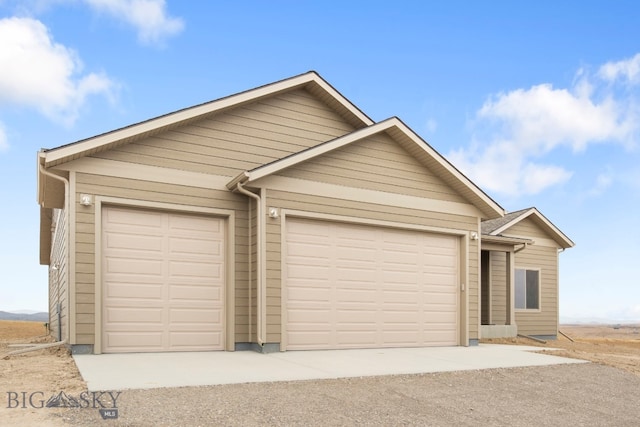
(197, 247)
(194, 341)
(380, 287)
(200, 224)
(139, 266)
(312, 270)
(401, 337)
(133, 281)
(442, 300)
(440, 282)
(398, 314)
(355, 339)
(409, 294)
(203, 270)
(194, 293)
(355, 273)
(353, 317)
(316, 292)
(309, 340)
(120, 219)
(361, 296)
(173, 292)
(441, 320)
(128, 315)
(308, 245)
(132, 291)
(134, 242)
(310, 318)
(196, 317)
(349, 250)
(126, 341)
(399, 277)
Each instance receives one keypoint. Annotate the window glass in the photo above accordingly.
(532, 289)
(520, 289)
(527, 289)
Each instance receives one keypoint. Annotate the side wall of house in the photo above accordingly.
(543, 256)
(58, 277)
(498, 288)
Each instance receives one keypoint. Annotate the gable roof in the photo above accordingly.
(408, 139)
(489, 226)
(311, 81)
(494, 227)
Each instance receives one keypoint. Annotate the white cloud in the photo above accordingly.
(432, 125)
(515, 131)
(501, 167)
(627, 69)
(603, 182)
(148, 17)
(41, 74)
(542, 118)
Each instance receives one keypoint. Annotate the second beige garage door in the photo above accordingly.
(355, 286)
(163, 280)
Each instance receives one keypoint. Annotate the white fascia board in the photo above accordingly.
(40, 186)
(393, 122)
(318, 150)
(448, 166)
(338, 96)
(511, 223)
(533, 211)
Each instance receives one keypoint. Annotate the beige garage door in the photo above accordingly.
(163, 280)
(353, 286)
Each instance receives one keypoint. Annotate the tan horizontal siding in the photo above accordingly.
(59, 278)
(159, 192)
(303, 106)
(239, 139)
(309, 203)
(473, 289)
(377, 163)
(526, 227)
(544, 322)
(498, 288)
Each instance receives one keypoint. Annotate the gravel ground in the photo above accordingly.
(572, 395)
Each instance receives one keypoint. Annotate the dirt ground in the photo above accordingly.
(604, 393)
(38, 375)
(612, 345)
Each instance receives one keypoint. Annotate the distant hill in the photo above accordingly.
(33, 317)
(596, 321)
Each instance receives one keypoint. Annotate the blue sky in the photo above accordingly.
(538, 103)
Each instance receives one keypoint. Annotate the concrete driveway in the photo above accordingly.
(154, 370)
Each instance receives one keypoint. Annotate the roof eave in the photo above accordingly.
(239, 179)
(504, 239)
(562, 239)
(483, 202)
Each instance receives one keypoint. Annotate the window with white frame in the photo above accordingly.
(527, 289)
